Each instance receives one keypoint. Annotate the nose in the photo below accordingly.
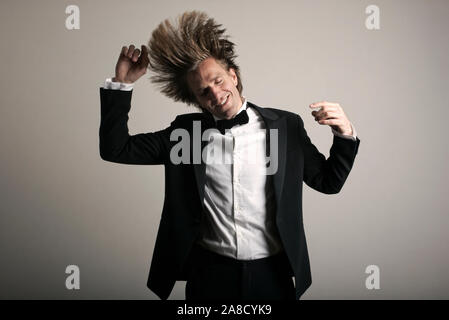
(215, 94)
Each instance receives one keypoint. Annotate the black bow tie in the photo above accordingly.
(241, 118)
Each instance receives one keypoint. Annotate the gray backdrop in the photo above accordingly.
(61, 204)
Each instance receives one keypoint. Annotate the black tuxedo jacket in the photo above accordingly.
(298, 161)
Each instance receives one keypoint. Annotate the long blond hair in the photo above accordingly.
(176, 49)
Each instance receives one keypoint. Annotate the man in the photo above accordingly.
(233, 230)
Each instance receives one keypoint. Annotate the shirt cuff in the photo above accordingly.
(109, 84)
(344, 136)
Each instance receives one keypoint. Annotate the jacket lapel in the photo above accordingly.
(275, 122)
(200, 168)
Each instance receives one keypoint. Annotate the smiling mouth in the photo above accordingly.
(223, 102)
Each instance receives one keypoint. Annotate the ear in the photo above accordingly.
(234, 78)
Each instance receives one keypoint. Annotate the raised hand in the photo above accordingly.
(131, 65)
(332, 114)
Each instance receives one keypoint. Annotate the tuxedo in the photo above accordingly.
(183, 210)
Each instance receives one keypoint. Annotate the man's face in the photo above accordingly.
(215, 88)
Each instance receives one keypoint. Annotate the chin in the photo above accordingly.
(229, 113)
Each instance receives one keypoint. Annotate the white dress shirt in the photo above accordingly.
(239, 219)
(240, 206)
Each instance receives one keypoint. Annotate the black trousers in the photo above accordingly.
(215, 277)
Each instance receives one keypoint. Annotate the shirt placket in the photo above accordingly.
(238, 194)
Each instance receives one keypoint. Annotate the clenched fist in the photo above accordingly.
(131, 65)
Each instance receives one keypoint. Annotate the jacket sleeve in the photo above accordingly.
(116, 145)
(327, 175)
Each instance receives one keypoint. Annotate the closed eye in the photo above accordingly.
(205, 91)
